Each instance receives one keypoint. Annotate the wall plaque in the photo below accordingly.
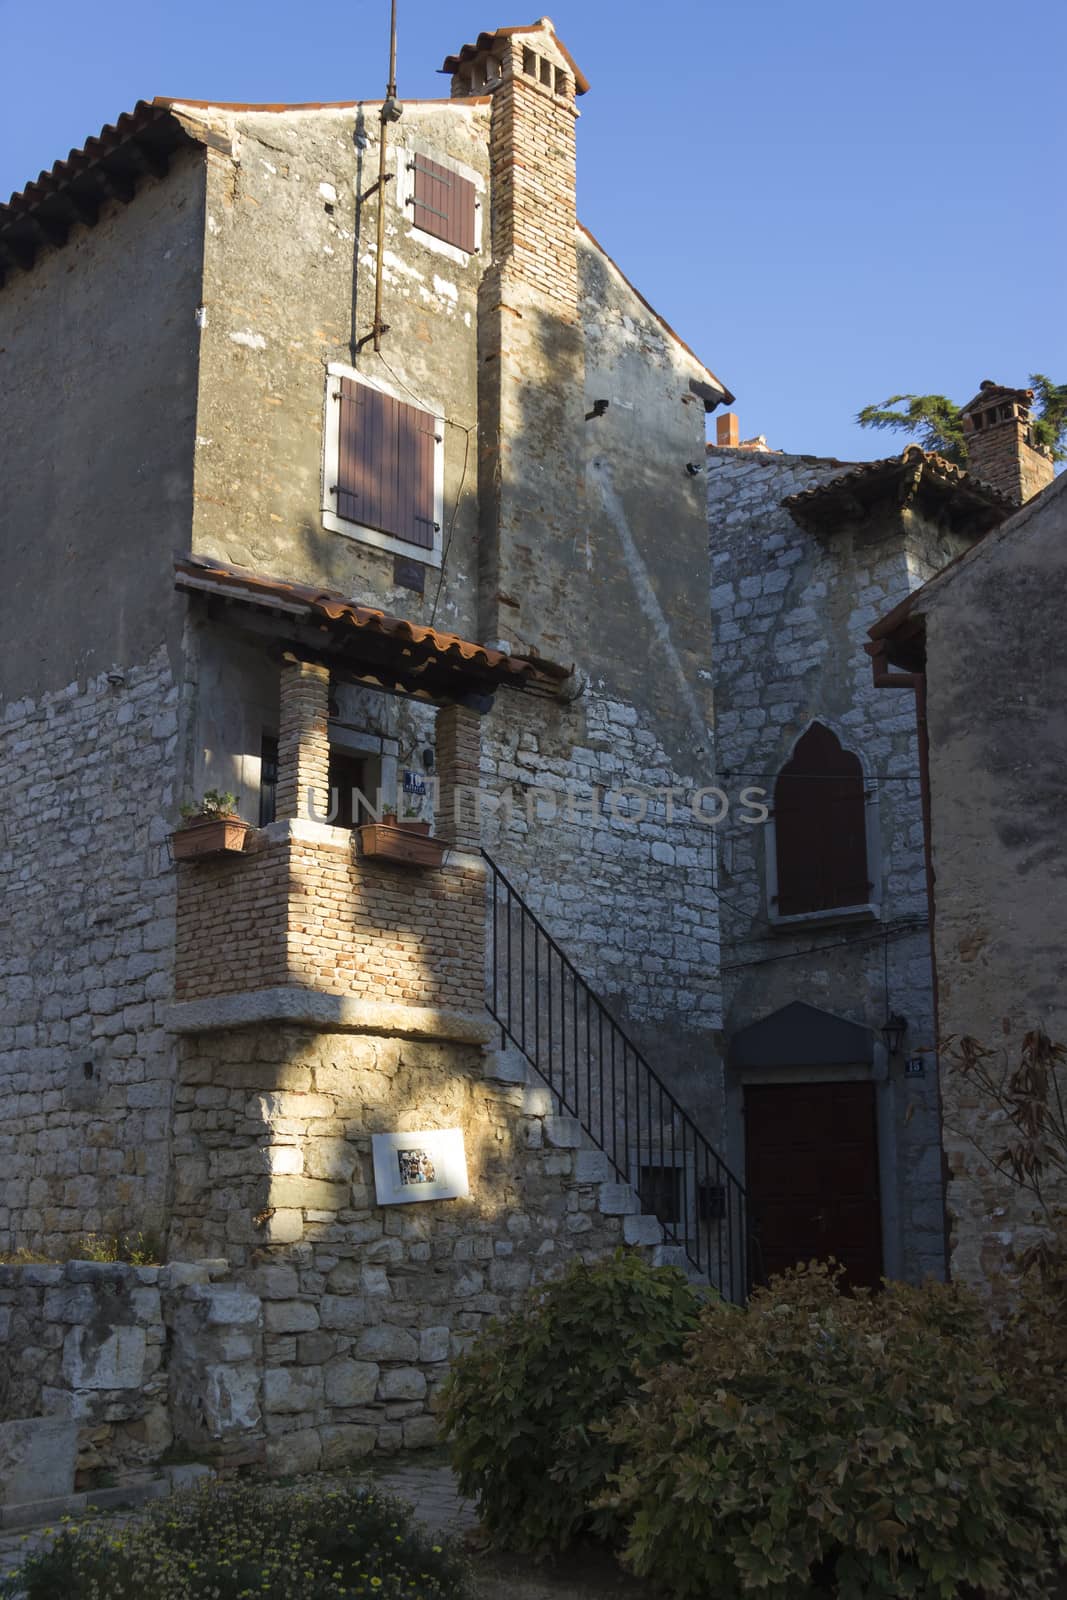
(419, 1166)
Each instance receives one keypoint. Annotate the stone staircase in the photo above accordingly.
(606, 1103)
(592, 1172)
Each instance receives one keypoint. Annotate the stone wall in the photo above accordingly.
(621, 875)
(791, 610)
(363, 1305)
(132, 1356)
(85, 956)
(96, 498)
(100, 344)
(997, 709)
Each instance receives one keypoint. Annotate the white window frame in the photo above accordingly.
(405, 194)
(331, 432)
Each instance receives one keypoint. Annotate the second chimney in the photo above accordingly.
(1000, 442)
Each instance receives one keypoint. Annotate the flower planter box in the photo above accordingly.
(406, 842)
(213, 836)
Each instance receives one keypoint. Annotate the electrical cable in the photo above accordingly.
(893, 930)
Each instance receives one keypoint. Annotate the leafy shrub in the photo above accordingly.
(523, 1404)
(241, 1540)
(866, 1446)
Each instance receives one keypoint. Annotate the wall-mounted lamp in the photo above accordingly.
(693, 467)
(599, 408)
(893, 1030)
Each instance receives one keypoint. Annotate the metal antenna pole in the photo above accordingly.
(390, 88)
(389, 111)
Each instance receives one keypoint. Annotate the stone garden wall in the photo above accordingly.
(327, 1333)
(93, 1345)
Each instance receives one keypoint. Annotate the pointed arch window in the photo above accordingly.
(820, 833)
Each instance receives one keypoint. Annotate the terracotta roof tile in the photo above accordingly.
(138, 144)
(485, 42)
(413, 639)
(986, 505)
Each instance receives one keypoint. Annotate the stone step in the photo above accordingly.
(506, 1065)
(618, 1200)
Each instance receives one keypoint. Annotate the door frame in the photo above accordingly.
(876, 1072)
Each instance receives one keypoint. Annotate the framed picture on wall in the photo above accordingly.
(419, 1166)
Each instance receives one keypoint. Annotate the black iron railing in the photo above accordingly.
(547, 1010)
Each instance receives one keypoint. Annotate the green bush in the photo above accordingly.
(242, 1540)
(873, 1445)
(525, 1405)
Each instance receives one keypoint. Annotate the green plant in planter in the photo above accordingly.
(877, 1445)
(215, 803)
(526, 1405)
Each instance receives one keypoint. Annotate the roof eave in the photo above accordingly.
(111, 166)
(397, 652)
(710, 388)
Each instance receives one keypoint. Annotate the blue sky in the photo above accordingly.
(830, 199)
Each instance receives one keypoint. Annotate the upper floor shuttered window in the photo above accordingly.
(443, 203)
(382, 475)
(820, 819)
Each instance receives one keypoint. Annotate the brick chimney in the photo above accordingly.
(533, 81)
(1000, 446)
(530, 341)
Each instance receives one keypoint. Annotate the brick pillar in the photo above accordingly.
(459, 747)
(303, 739)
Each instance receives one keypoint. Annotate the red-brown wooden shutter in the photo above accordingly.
(385, 464)
(444, 203)
(820, 828)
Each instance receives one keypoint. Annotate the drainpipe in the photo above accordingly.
(886, 678)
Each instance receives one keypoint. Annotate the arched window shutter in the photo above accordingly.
(820, 827)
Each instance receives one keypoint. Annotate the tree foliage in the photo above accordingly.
(932, 419)
(936, 422)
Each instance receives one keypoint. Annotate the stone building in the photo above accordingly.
(829, 1017)
(337, 457)
(980, 646)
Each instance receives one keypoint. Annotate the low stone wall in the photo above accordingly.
(92, 1344)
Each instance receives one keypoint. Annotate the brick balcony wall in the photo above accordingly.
(318, 915)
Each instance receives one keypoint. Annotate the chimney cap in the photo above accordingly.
(486, 41)
(989, 393)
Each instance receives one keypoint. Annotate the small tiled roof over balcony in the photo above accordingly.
(373, 645)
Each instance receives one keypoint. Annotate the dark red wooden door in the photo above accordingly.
(812, 1172)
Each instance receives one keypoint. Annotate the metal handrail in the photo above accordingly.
(544, 1006)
